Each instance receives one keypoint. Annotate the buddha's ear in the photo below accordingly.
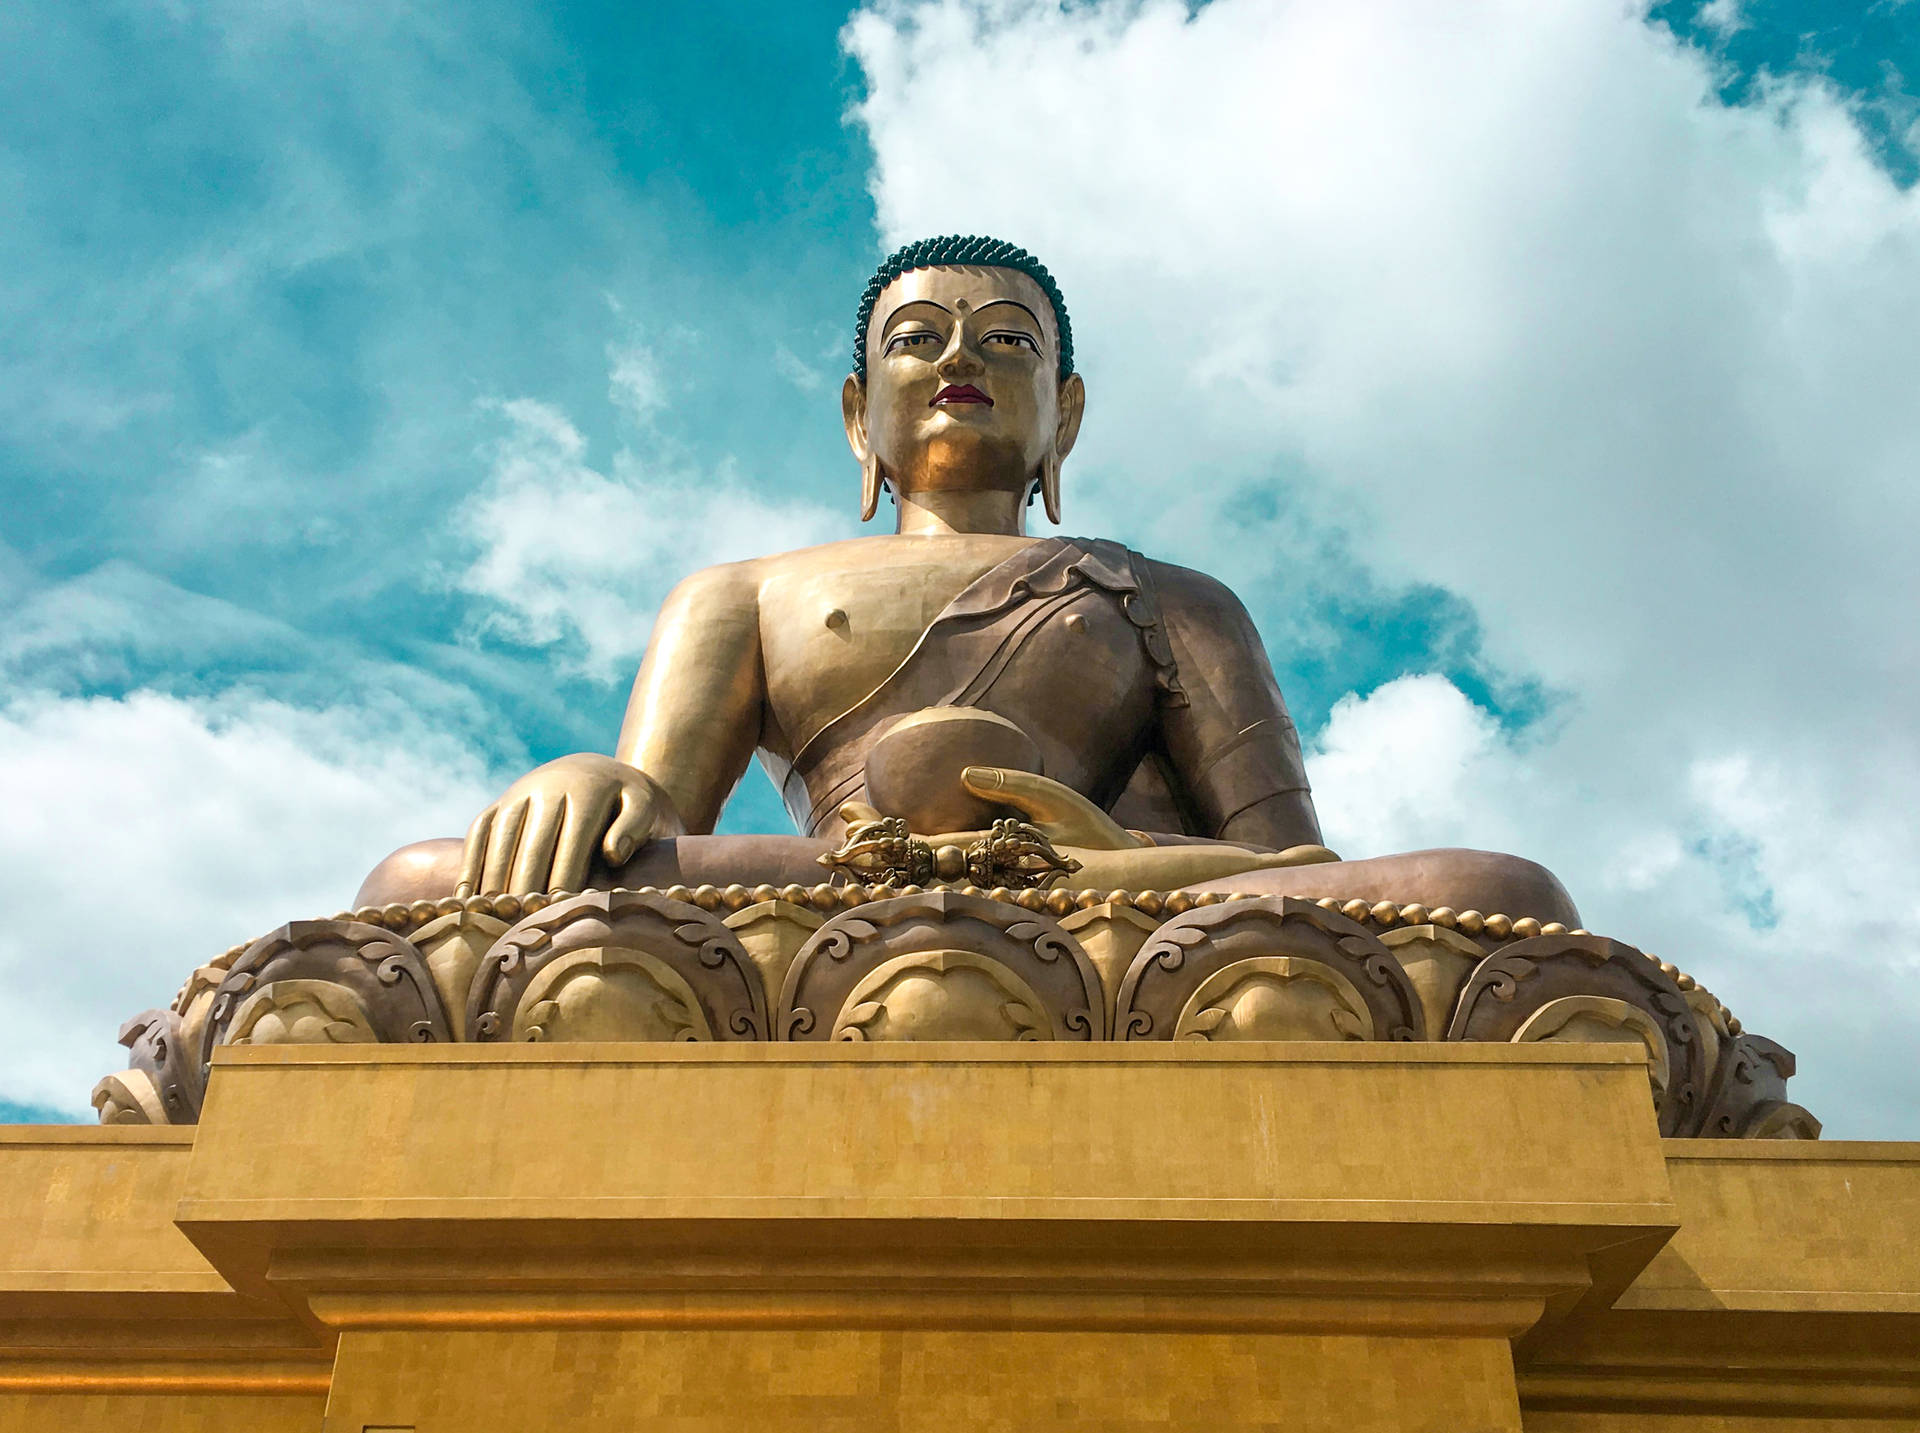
(1073, 406)
(853, 411)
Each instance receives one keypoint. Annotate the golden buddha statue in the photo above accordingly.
(961, 718)
(954, 673)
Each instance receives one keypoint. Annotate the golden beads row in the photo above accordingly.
(1496, 926)
(828, 899)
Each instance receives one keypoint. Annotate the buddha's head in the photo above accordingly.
(962, 374)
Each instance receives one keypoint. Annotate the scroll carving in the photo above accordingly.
(128, 1098)
(1518, 983)
(1183, 962)
(941, 965)
(617, 965)
(772, 933)
(454, 945)
(609, 993)
(164, 1083)
(1438, 961)
(1748, 1098)
(301, 1012)
(943, 995)
(1275, 997)
(1600, 1020)
(858, 963)
(321, 982)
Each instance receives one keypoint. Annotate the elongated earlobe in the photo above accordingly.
(853, 409)
(1073, 407)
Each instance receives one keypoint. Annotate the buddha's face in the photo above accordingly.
(963, 388)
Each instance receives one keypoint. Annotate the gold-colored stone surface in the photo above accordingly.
(1235, 1132)
(192, 1409)
(1564, 1422)
(935, 1236)
(919, 1237)
(918, 1381)
(110, 1319)
(1791, 1290)
(1790, 1226)
(95, 1210)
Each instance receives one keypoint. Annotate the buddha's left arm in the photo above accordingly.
(1232, 745)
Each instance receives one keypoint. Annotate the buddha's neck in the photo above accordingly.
(937, 514)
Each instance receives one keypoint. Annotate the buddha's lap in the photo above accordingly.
(1464, 879)
(1486, 881)
(429, 870)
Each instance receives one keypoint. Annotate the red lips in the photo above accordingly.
(960, 393)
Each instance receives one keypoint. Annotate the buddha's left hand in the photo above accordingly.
(1109, 855)
(1067, 817)
(1112, 856)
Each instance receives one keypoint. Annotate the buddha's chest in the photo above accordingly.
(830, 634)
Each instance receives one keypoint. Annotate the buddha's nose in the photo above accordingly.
(962, 356)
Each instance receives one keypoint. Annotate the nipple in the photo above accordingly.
(836, 619)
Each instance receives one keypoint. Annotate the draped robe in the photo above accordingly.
(1067, 639)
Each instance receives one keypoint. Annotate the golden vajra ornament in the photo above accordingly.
(1012, 853)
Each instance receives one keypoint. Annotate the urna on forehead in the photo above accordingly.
(951, 285)
(953, 264)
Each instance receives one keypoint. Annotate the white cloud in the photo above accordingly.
(633, 380)
(1724, 16)
(144, 835)
(1790, 903)
(1534, 316)
(797, 371)
(1395, 769)
(576, 556)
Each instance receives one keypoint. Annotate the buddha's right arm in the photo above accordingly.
(694, 718)
(692, 724)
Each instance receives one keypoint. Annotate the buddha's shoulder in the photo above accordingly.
(1188, 587)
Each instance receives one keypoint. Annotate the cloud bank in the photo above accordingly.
(1509, 297)
(158, 830)
(578, 560)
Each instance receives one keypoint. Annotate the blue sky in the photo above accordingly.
(316, 315)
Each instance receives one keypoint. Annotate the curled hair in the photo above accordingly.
(954, 249)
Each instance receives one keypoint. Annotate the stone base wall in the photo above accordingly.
(896, 1236)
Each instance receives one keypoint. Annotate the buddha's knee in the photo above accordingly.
(423, 871)
(1519, 887)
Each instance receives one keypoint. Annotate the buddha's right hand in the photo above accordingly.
(543, 833)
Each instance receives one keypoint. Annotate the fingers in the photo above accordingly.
(856, 812)
(1063, 813)
(580, 830)
(631, 826)
(473, 858)
(533, 861)
(545, 833)
(511, 817)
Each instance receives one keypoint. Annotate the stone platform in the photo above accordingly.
(890, 1236)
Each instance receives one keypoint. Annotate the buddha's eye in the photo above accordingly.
(1013, 338)
(912, 339)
